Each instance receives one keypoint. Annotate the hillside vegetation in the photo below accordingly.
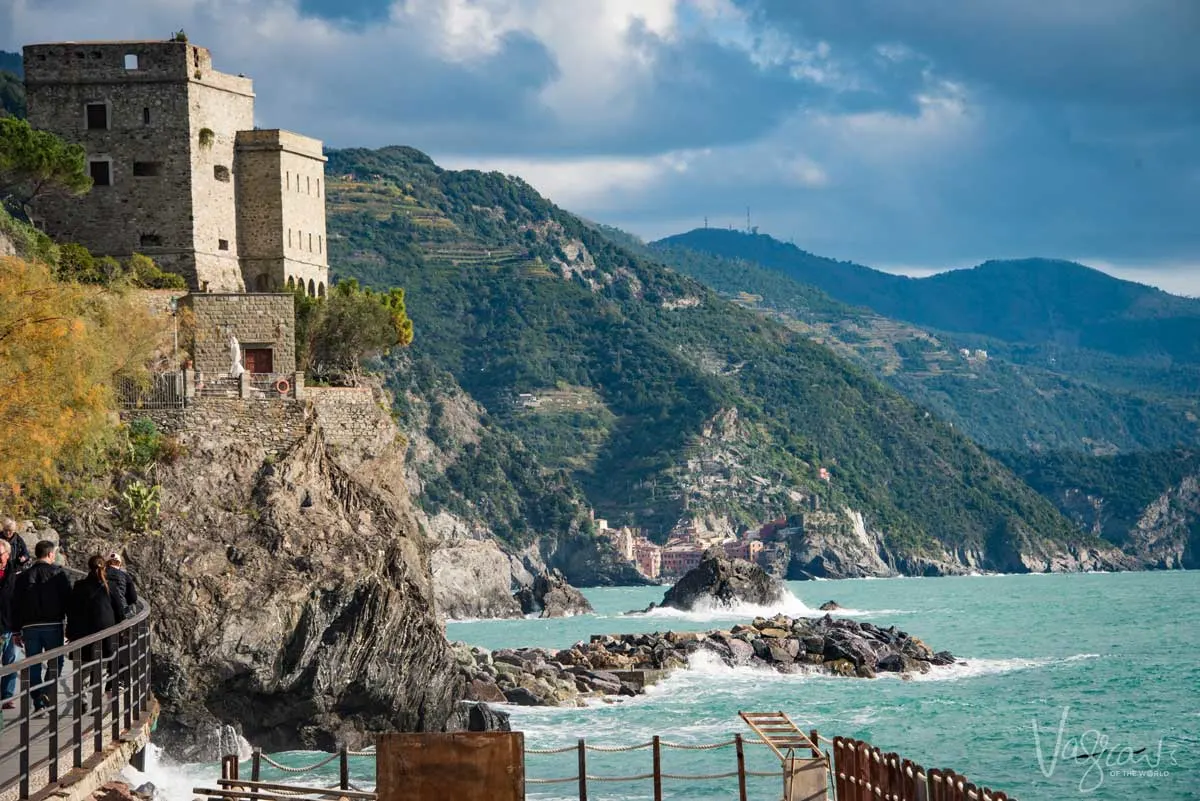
(687, 403)
(1043, 312)
(1001, 405)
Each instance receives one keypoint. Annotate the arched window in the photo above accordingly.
(312, 289)
(291, 284)
(321, 290)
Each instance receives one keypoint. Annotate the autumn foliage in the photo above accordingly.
(62, 344)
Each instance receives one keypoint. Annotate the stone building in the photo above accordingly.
(263, 323)
(179, 171)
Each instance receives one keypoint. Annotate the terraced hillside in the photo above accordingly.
(695, 406)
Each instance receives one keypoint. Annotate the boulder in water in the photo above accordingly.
(830, 606)
(551, 596)
(726, 581)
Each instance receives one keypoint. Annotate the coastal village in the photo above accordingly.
(687, 543)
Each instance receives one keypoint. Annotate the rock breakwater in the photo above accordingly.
(624, 664)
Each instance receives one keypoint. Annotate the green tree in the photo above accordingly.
(36, 163)
(335, 334)
(12, 95)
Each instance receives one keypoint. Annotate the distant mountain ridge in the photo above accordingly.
(1028, 301)
(661, 400)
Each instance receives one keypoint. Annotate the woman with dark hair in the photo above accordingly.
(91, 611)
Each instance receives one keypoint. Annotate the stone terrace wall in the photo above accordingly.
(257, 320)
(275, 424)
(353, 420)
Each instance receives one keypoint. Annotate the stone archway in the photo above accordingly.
(312, 289)
(291, 284)
(321, 290)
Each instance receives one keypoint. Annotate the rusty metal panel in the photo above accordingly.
(463, 766)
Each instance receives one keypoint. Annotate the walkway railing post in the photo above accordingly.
(582, 770)
(344, 768)
(657, 769)
(741, 762)
(256, 765)
(26, 712)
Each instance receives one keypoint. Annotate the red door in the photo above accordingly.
(258, 360)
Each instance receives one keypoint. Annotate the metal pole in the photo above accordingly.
(582, 770)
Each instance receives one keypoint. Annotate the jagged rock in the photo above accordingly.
(830, 606)
(472, 579)
(298, 642)
(479, 717)
(611, 665)
(551, 596)
(726, 581)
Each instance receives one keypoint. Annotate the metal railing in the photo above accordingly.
(92, 692)
(160, 391)
(862, 772)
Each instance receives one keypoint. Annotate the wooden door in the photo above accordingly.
(258, 360)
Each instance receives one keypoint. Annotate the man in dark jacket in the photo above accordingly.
(20, 551)
(40, 602)
(121, 587)
(9, 650)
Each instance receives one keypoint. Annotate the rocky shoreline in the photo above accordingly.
(611, 665)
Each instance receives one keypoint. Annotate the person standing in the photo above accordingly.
(121, 587)
(9, 638)
(93, 609)
(19, 555)
(40, 602)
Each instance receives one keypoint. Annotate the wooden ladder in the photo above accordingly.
(779, 732)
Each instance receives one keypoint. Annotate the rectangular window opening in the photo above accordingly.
(131, 61)
(308, 184)
(97, 116)
(318, 187)
(319, 243)
(222, 244)
(289, 180)
(101, 172)
(310, 243)
(146, 116)
(221, 173)
(289, 237)
(150, 240)
(147, 169)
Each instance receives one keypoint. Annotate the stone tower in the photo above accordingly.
(167, 137)
(281, 235)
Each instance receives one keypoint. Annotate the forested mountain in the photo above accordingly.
(657, 396)
(12, 87)
(999, 404)
(1039, 302)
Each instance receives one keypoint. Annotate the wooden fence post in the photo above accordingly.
(582, 770)
(816, 743)
(657, 769)
(343, 768)
(741, 760)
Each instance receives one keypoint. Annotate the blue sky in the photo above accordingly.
(913, 135)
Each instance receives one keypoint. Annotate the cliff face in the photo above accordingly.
(1167, 534)
(292, 595)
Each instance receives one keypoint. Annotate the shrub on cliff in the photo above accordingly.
(335, 334)
(61, 346)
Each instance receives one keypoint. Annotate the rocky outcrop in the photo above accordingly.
(473, 579)
(719, 579)
(838, 545)
(551, 596)
(623, 665)
(292, 597)
(1167, 535)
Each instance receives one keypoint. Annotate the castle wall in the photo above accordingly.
(147, 111)
(281, 206)
(257, 320)
(350, 417)
(223, 109)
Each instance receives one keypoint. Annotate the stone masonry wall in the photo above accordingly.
(274, 424)
(351, 418)
(257, 320)
(150, 214)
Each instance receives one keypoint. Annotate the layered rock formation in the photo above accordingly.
(622, 665)
(291, 592)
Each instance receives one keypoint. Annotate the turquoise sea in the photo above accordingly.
(1075, 686)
